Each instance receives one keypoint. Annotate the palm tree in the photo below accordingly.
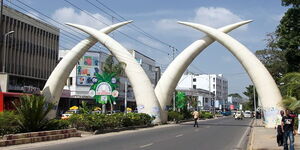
(116, 69)
(290, 87)
(32, 111)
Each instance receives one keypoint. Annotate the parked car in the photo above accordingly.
(226, 113)
(239, 115)
(68, 113)
(248, 114)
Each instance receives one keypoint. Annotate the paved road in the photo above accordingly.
(220, 134)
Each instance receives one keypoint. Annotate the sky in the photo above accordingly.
(156, 33)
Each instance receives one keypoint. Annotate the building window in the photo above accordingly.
(206, 100)
(214, 86)
(214, 79)
(150, 67)
(194, 86)
(194, 79)
(71, 80)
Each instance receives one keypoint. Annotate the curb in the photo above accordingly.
(33, 137)
(251, 137)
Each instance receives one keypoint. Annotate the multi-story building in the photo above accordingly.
(80, 79)
(205, 98)
(148, 64)
(214, 83)
(28, 54)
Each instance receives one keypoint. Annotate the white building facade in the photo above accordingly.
(215, 83)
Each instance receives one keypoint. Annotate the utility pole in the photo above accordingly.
(174, 93)
(254, 99)
(125, 100)
(1, 29)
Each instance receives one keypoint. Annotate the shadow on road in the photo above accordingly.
(216, 124)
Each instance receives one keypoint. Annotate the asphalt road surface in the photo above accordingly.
(219, 134)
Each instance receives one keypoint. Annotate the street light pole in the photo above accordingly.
(125, 100)
(4, 50)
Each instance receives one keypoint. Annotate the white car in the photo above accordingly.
(238, 115)
(68, 113)
(247, 114)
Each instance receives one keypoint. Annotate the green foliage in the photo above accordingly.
(288, 33)
(84, 108)
(8, 123)
(180, 100)
(291, 103)
(206, 115)
(273, 58)
(290, 85)
(294, 3)
(235, 95)
(56, 124)
(175, 116)
(249, 93)
(32, 111)
(92, 122)
(109, 66)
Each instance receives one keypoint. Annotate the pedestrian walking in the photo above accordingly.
(196, 116)
(279, 129)
(287, 125)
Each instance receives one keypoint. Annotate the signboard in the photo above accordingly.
(103, 89)
(231, 107)
(86, 68)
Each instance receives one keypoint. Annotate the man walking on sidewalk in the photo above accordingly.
(196, 116)
(287, 124)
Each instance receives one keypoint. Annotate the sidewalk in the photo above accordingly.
(265, 138)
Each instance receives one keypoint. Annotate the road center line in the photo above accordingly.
(179, 135)
(143, 146)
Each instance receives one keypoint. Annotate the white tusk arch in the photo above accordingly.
(169, 79)
(56, 81)
(267, 89)
(144, 93)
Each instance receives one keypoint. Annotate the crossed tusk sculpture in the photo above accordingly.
(154, 101)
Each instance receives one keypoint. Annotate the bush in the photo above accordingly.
(8, 123)
(32, 111)
(56, 124)
(187, 114)
(174, 115)
(92, 122)
(206, 115)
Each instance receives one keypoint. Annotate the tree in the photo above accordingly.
(249, 93)
(290, 85)
(235, 95)
(273, 58)
(288, 33)
(110, 66)
(113, 68)
(294, 3)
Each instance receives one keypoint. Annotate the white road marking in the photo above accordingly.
(179, 135)
(143, 146)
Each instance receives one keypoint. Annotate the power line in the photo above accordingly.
(138, 28)
(116, 30)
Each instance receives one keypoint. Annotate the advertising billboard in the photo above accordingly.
(86, 68)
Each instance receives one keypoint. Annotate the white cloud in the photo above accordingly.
(211, 16)
(216, 17)
(69, 15)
